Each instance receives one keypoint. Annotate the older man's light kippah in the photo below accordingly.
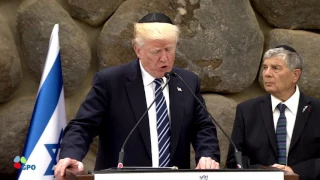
(155, 17)
(288, 48)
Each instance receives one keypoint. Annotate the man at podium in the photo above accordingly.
(121, 95)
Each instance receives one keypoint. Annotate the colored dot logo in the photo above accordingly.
(18, 161)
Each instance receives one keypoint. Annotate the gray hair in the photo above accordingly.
(292, 59)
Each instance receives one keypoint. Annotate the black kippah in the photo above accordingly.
(286, 47)
(155, 17)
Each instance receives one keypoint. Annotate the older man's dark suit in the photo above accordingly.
(254, 135)
(114, 105)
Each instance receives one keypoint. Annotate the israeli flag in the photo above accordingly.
(48, 121)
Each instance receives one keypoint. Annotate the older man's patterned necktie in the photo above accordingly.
(281, 135)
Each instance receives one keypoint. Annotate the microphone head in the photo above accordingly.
(167, 75)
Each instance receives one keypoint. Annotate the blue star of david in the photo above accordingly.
(53, 150)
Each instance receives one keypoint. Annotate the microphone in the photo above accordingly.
(121, 153)
(237, 153)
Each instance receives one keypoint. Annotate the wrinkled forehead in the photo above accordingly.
(275, 61)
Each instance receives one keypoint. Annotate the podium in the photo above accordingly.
(248, 174)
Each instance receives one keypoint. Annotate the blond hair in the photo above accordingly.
(153, 31)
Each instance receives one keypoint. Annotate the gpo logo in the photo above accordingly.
(20, 162)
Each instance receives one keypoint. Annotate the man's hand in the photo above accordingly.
(283, 167)
(207, 163)
(60, 169)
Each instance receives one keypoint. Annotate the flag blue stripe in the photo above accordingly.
(46, 103)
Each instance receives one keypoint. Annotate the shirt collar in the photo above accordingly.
(147, 78)
(292, 103)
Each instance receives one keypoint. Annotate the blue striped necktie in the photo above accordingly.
(281, 135)
(163, 126)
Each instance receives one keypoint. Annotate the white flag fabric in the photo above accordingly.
(48, 121)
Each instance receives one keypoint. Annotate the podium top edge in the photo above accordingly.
(138, 170)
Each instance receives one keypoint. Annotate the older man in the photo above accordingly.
(280, 129)
(120, 95)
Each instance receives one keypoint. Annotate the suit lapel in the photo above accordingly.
(176, 111)
(304, 110)
(136, 95)
(266, 110)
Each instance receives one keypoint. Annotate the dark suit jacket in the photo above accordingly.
(254, 135)
(113, 106)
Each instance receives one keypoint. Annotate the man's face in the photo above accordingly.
(278, 79)
(157, 56)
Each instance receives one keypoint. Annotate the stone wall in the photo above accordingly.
(222, 41)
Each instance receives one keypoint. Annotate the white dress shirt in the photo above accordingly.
(149, 89)
(290, 112)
